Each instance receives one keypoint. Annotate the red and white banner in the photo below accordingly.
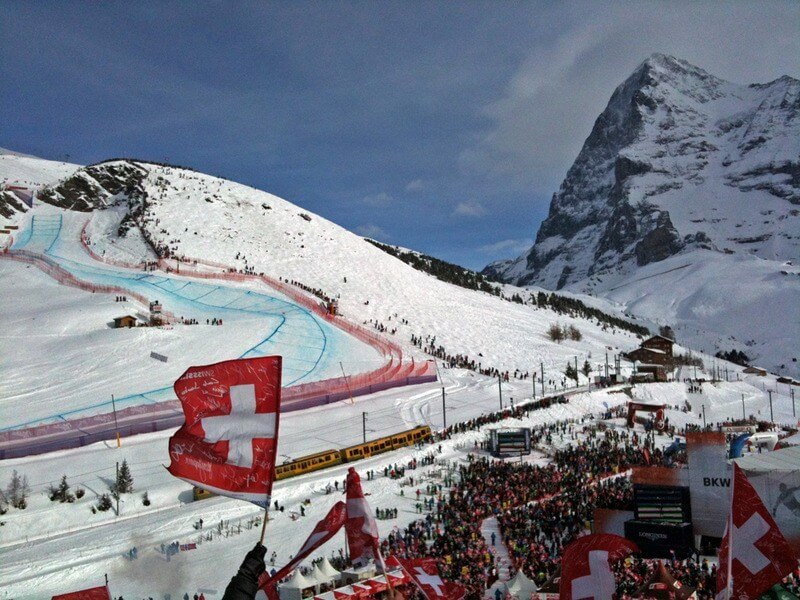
(324, 530)
(586, 566)
(227, 444)
(753, 548)
(95, 593)
(425, 575)
(361, 528)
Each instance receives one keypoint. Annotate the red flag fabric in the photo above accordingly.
(227, 444)
(95, 593)
(586, 566)
(324, 530)
(361, 528)
(761, 556)
(425, 574)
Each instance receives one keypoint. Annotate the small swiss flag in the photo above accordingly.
(761, 556)
(425, 575)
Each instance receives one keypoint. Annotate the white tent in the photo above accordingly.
(327, 568)
(520, 586)
(320, 577)
(292, 589)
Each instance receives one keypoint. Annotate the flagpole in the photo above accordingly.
(385, 572)
(729, 590)
(264, 524)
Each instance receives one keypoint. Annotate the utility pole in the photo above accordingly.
(500, 389)
(791, 391)
(606, 365)
(444, 410)
(542, 365)
(364, 426)
(771, 418)
(533, 383)
(116, 427)
(704, 416)
(743, 415)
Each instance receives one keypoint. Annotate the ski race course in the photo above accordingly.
(267, 318)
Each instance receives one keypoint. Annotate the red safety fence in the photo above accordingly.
(158, 416)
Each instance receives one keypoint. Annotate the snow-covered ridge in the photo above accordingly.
(186, 213)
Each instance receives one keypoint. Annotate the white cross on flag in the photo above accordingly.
(761, 556)
(227, 443)
(586, 566)
(425, 575)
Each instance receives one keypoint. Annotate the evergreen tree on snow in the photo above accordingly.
(124, 483)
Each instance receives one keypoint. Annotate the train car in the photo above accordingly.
(385, 444)
(308, 464)
(330, 458)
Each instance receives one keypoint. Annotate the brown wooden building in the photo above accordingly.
(656, 350)
(124, 321)
(659, 342)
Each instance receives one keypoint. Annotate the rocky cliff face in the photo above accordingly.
(678, 160)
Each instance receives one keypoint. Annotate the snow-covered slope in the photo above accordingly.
(679, 163)
(190, 214)
(23, 171)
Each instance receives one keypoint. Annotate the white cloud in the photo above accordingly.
(509, 247)
(538, 125)
(380, 199)
(417, 185)
(371, 230)
(471, 208)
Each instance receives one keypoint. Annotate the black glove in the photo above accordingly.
(244, 584)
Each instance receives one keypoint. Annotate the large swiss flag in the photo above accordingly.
(761, 556)
(227, 444)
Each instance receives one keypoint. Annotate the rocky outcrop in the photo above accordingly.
(674, 143)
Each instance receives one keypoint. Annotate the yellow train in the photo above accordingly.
(329, 458)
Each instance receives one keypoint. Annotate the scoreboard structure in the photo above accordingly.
(662, 523)
(661, 503)
(510, 442)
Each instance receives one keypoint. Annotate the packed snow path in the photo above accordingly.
(490, 528)
(311, 348)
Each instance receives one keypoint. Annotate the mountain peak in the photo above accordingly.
(656, 176)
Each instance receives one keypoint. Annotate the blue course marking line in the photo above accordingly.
(201, 295)
(58, 233)
(267, 304)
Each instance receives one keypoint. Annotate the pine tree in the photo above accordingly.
(105, 503)
(124, 483)
(587, 368)
(62, 493)
(570, 372)
(18, 490)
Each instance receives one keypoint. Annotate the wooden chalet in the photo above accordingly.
(656, 350)
(124, 321)
(755, 371)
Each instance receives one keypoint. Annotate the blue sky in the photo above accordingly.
(440, 126)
